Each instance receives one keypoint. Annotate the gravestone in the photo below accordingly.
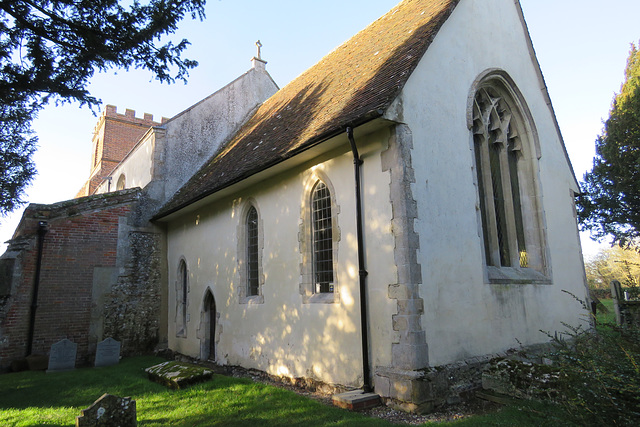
(107, 353)
(109, 411)
(62, 356)
(616, 296)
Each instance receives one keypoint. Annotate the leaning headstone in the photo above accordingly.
(616, 295)
(107, 353)
(62, 356)
(109, 411)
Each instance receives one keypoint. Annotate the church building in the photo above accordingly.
(396, 216)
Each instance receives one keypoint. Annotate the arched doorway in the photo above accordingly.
(208, 338)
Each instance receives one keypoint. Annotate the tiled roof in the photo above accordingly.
(351, 85)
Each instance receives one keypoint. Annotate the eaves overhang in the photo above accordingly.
(325, 144)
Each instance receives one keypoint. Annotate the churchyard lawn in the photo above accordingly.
(55, 399)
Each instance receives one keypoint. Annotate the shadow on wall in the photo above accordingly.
(281, 336)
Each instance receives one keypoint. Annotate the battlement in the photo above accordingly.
(114, 135)
(130, 116)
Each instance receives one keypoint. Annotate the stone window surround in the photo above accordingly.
(322, 238)
(243, 298)
(182, 306)
(539, 271)
(306, 243)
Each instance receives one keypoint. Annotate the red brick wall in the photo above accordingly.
(78, 240)
(116, 135)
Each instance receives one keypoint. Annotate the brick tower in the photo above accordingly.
(113, 137)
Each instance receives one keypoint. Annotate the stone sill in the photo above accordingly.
(516, 276)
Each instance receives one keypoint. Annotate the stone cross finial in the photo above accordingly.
(258, 45)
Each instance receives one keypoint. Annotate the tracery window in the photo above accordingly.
(507, 186)
(498, 147)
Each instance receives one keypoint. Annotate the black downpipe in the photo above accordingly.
(364, 324)
(42, 230)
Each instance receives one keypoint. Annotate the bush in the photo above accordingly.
(600, 293)
(602, 376)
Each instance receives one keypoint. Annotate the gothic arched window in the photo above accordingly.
(506, 165)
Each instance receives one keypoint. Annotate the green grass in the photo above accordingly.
(609, 317)
(524, 414)
(605, 320)
(37, 398)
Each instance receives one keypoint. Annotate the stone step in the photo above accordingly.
(356, 400)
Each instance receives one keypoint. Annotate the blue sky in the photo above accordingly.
(582, 46)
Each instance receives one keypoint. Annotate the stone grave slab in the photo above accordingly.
(62, 356)
(178, 375)
(107, 353)
(109, 411)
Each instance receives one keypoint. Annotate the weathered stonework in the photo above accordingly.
(522, 379)
(108, 411)
(100, 276)
(410, 352)
(424, 390)
(14, 303)
(178, 375)
(131, 314)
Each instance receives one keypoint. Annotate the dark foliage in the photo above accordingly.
(49, 49)
(17, 145)
(602, 376)
(610, 205)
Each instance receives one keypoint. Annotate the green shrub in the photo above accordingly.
(602, 385)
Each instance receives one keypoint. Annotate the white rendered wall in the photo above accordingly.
(137, 167)
(464, 316)
(194, 135)
(283, 335)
